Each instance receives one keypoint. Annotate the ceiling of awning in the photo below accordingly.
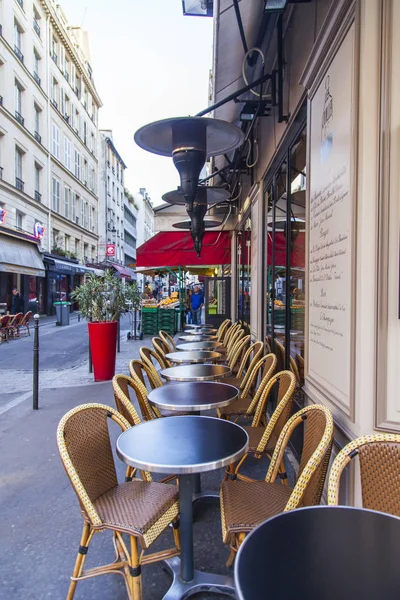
(175, 249)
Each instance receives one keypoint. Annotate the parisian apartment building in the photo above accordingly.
(49, 164)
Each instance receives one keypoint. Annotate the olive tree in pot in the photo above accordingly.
(101, 301)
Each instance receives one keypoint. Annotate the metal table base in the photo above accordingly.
(201, 582)
(186, 580)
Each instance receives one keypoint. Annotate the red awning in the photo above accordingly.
(175, 249)
(123, 271)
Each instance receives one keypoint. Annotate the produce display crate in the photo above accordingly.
(166, 320)
(150, 320)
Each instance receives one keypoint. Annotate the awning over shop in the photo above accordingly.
(60, 266)
(175, 248)
(20, 256)
(124, 271)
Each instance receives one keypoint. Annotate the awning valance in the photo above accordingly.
(124, 271)
(20, 256)
(175, 248)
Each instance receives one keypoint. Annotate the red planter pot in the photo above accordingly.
(103, 346)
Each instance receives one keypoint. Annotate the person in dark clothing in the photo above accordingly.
(17, 302)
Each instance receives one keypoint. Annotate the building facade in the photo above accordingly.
(131, 210)
(145, 222)
(111, 201)
(48, 141)
(315, 242)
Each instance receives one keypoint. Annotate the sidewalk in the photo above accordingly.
(41, 521)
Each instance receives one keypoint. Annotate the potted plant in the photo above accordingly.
(101, 301)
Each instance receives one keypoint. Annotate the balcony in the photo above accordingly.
(38, 137)
(113, 170)
(54, 103)
(54, 57)
(36, 27)
(66, 117)
(1, 172)
(76, 91)
(36, 78)
(18, 53)
(21, 3)
(66, 75)
(19, 184)
(38, 196)
(19, 117)
(1, 100)
(108, 163)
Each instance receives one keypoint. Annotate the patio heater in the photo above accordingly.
(190, 141)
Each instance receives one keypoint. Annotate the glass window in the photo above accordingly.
(77, 164)
(67, 196)
(17, 36)
(18, 98)
(56, 195)
(37, 178)
(18, 163)
(67, 153)
(37, 119)
(74, 208)
(19, 218)
(55, 139)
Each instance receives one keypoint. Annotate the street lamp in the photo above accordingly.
(197, 8)
(189, 141)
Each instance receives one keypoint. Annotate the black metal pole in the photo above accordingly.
(186, 527)
(134, 324)
(118, 335)
(35, 397)
(90, 358)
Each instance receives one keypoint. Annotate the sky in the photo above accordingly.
(149, 62)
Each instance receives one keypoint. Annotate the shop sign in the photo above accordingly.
(3, 213)
(38, 230)
(110, 250)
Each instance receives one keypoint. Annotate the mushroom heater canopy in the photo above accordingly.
(189, 141)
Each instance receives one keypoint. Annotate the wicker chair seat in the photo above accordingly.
(136, 507)
(245, 505)
(238, 407)
(255, 434)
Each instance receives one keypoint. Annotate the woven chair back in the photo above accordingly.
(269, 361)
(121, 386)
(252, 355)
(238, 352)
(26, 318)
(5, 320)
(379, 459)
(168, 340)
(229, 332)
(317, 446)
(279, 350)
(149, 357)
(222, 329)
(16, 320)
(286, 382)
(161, 348)
(139, 372)
(234, 339)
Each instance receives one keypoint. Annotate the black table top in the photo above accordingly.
(198, 345)
(195, 338)
(321, 553)
(202, 356)
(182, 445)
(195, 372)
(193, 396)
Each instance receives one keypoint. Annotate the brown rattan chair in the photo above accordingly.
(4, 320)
(244, 505)
(142, 375)
(379, 460)
(227, 349)
(167, 339)
(25, 322)
(238, 352)
(248, 362)
(14, 325)
(140, 509)
(161, 348)
(246, 403)
(222, 329)
(263, 440)
(152, 360)
(121, 386)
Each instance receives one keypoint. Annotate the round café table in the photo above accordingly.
(201, 331)
(203, 356)
(194, 338)
(321, 552)
(185, 445)
(193, 326)
(196, 372)
(198, 345)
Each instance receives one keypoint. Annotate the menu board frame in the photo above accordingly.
(323, 384)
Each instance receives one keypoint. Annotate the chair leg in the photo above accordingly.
(80, 559)
(135, 571)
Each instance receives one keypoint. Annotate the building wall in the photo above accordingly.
(58, 110)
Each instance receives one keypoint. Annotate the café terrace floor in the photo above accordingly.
(40, 523)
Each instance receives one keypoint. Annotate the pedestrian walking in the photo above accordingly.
(196, 304)
(188, 307)
(17, 302)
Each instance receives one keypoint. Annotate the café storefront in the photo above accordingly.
(316, 233)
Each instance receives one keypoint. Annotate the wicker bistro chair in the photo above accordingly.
(379, 459)
(25, 322)
(161, 348)
(4, 320)
(238, 352)
(249, 360)
(226, 350)
(246, 403)
(138, 372)
(14, 325)
(147, 356)
(122, 384)
(141, 509)
(168, 340)
(244, 505)
(263, 440)
(222, 329)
